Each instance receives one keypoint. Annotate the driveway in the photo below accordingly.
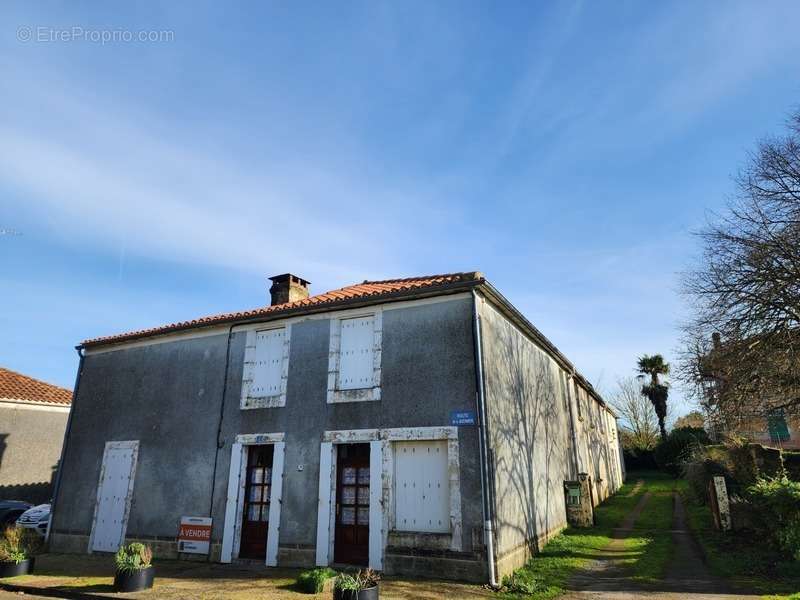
(686, 577)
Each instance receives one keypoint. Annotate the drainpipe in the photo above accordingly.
(488, 529)
(57, 483)
(220, 442)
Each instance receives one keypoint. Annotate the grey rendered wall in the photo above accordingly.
(598, 447)
(427, 371)
(30, 447)
(168, 396)
(530, 438)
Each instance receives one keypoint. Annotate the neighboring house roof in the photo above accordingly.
(21, 388)
(368, 290)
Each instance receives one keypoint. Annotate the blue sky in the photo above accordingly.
(566, 149)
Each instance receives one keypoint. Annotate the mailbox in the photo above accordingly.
(578, 500)
(573, 494)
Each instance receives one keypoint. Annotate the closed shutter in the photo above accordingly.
(268, 363)
(356, 353)
(114, 495)
(422, 487)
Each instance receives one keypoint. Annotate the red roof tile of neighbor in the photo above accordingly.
(19, 387)
(367, 290)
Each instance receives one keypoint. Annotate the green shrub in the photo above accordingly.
(523, 583)
(777, 500)
(18, 544)
(672, 452)
(133, 557)
(313, 580)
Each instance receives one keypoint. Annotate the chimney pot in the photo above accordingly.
(287, 288)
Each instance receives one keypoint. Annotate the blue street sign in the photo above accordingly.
(462, 417)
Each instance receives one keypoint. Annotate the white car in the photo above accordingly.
(35, 518)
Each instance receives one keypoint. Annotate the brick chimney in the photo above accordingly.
(287, 288)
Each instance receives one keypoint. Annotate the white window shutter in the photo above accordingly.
(249, 361)
(357, 353)
(230, 504)
(422, 486)
(268, 363)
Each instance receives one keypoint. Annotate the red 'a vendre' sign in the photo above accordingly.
(194, 535)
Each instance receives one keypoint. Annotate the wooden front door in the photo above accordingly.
(255, 516)
(351, 541)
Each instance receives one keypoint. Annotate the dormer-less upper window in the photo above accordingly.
(356, 353)
(266, 365)
(354, 367)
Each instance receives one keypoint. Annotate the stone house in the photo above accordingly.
(33, 417)
(420, 426)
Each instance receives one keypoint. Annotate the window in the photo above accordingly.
(265, 368)
(356, 354)
(354, 367)
(422, 487)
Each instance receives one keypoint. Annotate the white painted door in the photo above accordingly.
(114, 495)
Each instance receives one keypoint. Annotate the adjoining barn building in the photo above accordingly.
(418, 426)
(33, 416)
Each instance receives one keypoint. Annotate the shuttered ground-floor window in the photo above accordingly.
(422, 486)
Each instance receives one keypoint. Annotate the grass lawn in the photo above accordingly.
(741, 557)
(647, 549)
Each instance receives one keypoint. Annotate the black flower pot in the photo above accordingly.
(367, 594)
(134, 581)
(12, 569)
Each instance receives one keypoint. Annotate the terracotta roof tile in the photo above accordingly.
(19, 387)
(365, 290)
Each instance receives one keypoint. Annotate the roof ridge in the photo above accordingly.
(462, 276)
(367, 290)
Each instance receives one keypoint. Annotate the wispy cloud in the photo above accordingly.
(114, 178)
(536, 143)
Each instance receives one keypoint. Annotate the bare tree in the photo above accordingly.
(640, 423)
(742, 350)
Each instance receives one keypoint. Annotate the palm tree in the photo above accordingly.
(655, 391)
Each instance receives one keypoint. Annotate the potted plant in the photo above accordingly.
(134, 569)
(17, 547)
(361, 586)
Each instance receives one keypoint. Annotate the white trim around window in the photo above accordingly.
(381, 518)
(335, 391)
(231, 532)
(251, 399)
